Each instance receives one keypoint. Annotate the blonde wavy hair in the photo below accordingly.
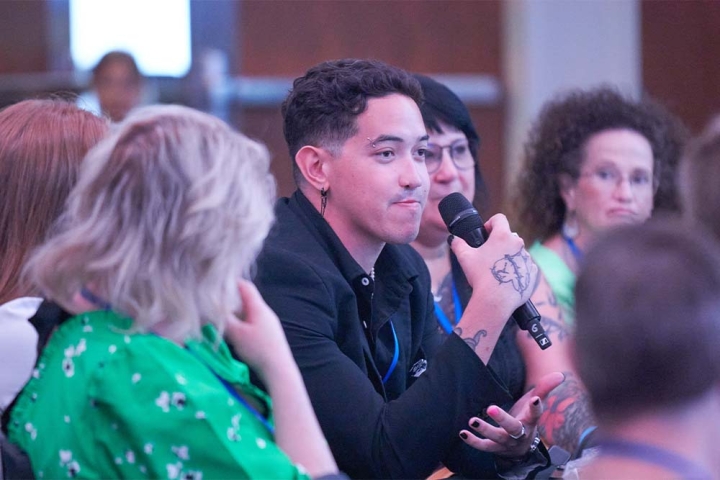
(169, 211)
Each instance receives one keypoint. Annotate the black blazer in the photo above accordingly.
(402, 429)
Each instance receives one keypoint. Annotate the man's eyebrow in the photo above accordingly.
(384, 138)
(393, 138)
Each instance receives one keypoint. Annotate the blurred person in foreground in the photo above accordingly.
(164, 223)
(42, 143)
(452, 164)
(648, 330)
(393, 396)
(700, 179)
(594, 160)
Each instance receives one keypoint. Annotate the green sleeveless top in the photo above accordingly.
(560, 278)
(106, 403)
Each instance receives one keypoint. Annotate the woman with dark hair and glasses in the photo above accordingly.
(451, 160)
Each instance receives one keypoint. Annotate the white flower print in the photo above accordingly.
(163, 401)
(181, 379)
(178, 400)
(148, 448)
(130, 456)
(112, 349)
(261, 443)
(200, 415)
(233, 432)
(173, 470)
(68, 367)
(136, 377)
(66, 460)
(65, 457)
(181, 452)
(30, 428)
(72, 351)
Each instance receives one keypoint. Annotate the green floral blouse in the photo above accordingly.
(107, 403)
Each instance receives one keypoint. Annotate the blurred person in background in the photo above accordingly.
(116, 87)
(700, 178)
(647, 336)
(160, 233)
(594, 160)
(452, 161)
(42, 143)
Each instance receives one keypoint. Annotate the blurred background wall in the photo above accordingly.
(504, 58)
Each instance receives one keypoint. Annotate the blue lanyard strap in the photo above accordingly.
(245, 403)
(444, 321)
(577, 253)
(396, 355)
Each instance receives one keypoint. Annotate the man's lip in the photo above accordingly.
(409, 201)
(621, 211)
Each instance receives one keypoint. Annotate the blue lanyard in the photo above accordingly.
(244, 402)
(577, 253)
(444, 321)
(94, 299)
(396, 355)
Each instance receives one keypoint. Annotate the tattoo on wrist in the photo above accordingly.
(473, 341)
(513, 269)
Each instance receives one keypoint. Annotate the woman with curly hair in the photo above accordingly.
(594, 159)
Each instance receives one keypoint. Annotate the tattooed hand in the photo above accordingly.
(514, 269)
(502, 277)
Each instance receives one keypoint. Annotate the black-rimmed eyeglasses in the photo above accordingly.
(459, 152)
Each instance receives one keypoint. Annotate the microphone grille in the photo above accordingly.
(452, 205)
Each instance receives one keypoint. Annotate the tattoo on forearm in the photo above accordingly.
(566, 415)
(513, 269)
(473, 341)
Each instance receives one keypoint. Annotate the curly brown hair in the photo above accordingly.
(556, 142)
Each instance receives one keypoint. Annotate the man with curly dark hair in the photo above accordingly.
(594, 159)
(393, 398)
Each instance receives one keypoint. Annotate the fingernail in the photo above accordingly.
(450, 239)
(536, 402)
(475, 424)
(463, 435)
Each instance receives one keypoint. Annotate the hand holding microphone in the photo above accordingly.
(464, 221)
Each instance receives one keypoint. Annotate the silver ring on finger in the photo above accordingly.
(519, 435)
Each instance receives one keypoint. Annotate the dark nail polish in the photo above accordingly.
(536, 402)
(475, 424)
(463, 435)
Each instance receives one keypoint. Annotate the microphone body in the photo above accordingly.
(465, 222)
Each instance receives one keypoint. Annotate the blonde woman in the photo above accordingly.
(167, 218)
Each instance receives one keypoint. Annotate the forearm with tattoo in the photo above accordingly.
(566, 414)
(472, 341)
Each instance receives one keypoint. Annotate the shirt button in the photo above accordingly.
(365, 281)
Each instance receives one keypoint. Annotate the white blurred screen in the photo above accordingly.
(155, 32)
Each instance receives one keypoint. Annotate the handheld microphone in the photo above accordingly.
(464, 221)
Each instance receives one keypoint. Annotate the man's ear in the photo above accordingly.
(312, 164)
(568, 187)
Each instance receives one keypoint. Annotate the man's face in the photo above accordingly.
(378, 184)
